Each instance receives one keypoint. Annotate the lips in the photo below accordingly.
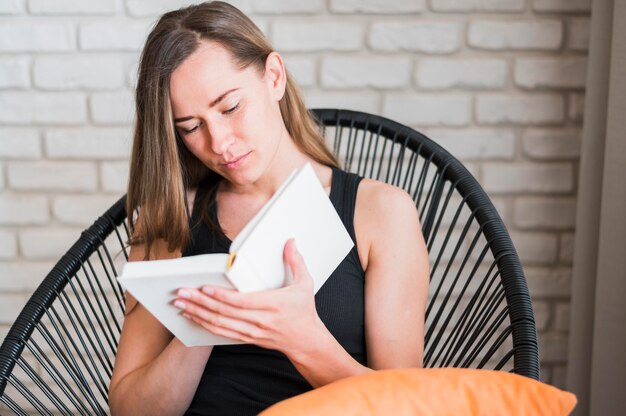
(236, 162)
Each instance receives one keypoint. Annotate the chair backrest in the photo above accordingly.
(58, 356)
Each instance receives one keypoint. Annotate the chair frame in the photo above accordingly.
(522, 325)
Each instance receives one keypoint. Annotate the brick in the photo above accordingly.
(73, 72)
(362, 101)
(545, 213)
(113, 34)
(539, 34)
(578, 34)
(74, 6)
(553, 348)
(10, 306)
(22, 276)
(14, 72)
(434, 73)
(562, 5)
(535, 248)
(287, 6)
(58, 176)
(551, 72)
(19, 143)
(112, 107)
(378, 6)
(157, 7)
(576, 106)
(548, 283)
(8, 244)
(42, 108)
(478, 5)
(537, 108)
(360, 72)
(418, 36)
(317, 36)
(12, 7)
(566, 249)
(476, 144)
(541, 310)
(46, 243)
(562, 317)
(547, 178)
(428, 110)
(552, 144)
(24, 210)
(114, 176)
(81, 209)
(303, 69)
(110, 143)
(24, 36)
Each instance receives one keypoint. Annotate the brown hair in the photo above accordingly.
(161, 167)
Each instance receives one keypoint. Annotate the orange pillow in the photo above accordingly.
(432, 391)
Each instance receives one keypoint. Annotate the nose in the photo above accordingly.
(220, 137)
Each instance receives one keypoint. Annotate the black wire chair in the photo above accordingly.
(58, 356)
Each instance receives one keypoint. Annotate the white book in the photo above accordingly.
(300, 209)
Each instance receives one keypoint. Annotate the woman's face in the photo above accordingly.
(227, 117)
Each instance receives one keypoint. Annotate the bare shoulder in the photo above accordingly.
(383, 214)
(380, 198)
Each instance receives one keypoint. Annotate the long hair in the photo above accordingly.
(161, 167)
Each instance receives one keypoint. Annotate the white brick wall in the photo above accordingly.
(444, 73)
(499, 83)
(378, 6)
(360, 72)
(536, 73)
(539, 108)
(478, 5)
(14, 72)
(516, 34)
(81, 72)
(415, 36)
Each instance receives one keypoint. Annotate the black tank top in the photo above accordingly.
(246, 379)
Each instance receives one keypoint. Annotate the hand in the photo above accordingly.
(283, 319)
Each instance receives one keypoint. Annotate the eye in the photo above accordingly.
(191, 130)
(232, 109)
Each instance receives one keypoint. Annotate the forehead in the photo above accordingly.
(202, 77)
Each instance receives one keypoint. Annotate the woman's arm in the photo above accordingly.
(154, 372)
(395, 259)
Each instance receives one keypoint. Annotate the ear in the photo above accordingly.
(276, 75)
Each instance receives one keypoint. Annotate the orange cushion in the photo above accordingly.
(433, 391)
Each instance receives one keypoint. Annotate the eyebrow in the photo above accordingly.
(213, 103)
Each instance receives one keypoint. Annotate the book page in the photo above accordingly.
(302, 211)
(155, 283)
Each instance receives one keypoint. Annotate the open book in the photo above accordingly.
(300, 209)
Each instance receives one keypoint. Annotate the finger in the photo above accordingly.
(259, 301)
(215, 330)
(190, 297)
(223, 326)
(295, 261)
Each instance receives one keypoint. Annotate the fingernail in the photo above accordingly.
(180, 304)
(184, 294)
(208, 290)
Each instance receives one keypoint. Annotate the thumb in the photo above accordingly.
(293, 259)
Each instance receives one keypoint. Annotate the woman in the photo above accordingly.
(220, 125)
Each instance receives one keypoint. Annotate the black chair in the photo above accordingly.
(58, 356)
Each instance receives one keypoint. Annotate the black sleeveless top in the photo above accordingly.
(245, 379)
